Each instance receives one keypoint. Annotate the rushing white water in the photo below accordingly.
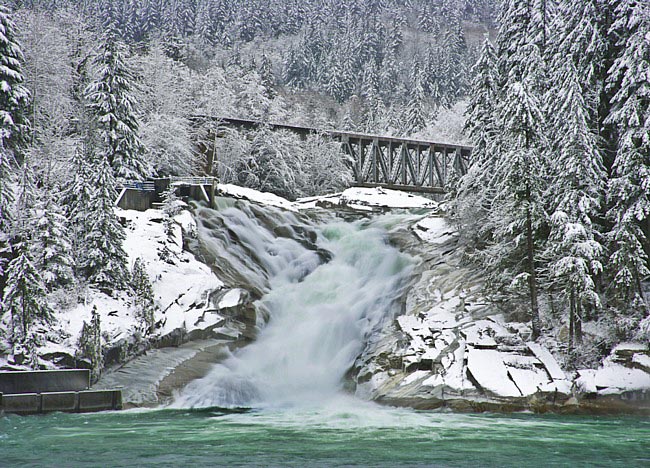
(320, 314)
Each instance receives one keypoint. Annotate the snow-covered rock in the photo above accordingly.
(368, 200)
(263, 198)
(452, 348)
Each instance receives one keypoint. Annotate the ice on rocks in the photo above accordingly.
(232, 298)
(434, 230)
(263, 198)
(642, 360)
(369, 199)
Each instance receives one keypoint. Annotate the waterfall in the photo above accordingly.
(320, 313)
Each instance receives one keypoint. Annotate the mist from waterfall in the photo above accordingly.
(320, 313)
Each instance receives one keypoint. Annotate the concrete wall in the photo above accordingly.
(133, 199)
(44, 381)
(69, 402)
(140, 200)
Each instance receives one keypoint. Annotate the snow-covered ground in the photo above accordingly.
(263, 198)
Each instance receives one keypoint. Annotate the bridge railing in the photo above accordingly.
(135, 185)
(192, 180)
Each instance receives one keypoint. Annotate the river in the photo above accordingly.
(352, 434)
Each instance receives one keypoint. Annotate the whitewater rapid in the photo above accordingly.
(320, 313)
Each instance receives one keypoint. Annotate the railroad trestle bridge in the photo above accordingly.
(382, 161)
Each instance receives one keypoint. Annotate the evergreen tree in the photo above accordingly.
(580, 39)
(6, 205)
(455, 73)
(389, 76)
(481, 118)
(518, 212)
(268, 80)
(25, 296)
(629, 189)
(90, 344)
(427, 19)
(75, 200)
(517, 217)
(187, 17)
(24, 224)
(14, 126)
(374, 105)
(14, 97)
(577, 193)
(475, 194)
(152, 14)
(144, 298)
(294, 69)
(172, 206)
(415, 116)
(105, 260)
(54, 261)
(114, 109)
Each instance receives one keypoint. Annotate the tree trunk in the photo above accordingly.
(572, 319)
(578, 325)
(532, 274)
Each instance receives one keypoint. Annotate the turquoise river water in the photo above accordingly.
(345, 434)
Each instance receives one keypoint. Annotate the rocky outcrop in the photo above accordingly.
(451, 348)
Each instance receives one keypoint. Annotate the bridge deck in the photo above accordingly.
(250, 124)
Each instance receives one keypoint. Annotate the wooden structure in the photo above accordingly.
(34, 392)
(382, 161)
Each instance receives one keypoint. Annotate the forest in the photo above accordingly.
(555, 207)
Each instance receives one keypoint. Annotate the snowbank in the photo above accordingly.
(368, 199)
(181, 284)
(355, 198)
(263, 198)
(434, 230)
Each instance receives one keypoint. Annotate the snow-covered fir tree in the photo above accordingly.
(90, 344)
(144, 298)
(476, 189)
(111, 102)
(629, 189)
(75, 199)
(517, 215)
(576, 194)
(6, 205)
(14, 97)
(55, 261)
(104, 261)
(415, 117)
(14, 125)
(25, 299)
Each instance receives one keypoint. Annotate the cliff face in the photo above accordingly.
(452, 348)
